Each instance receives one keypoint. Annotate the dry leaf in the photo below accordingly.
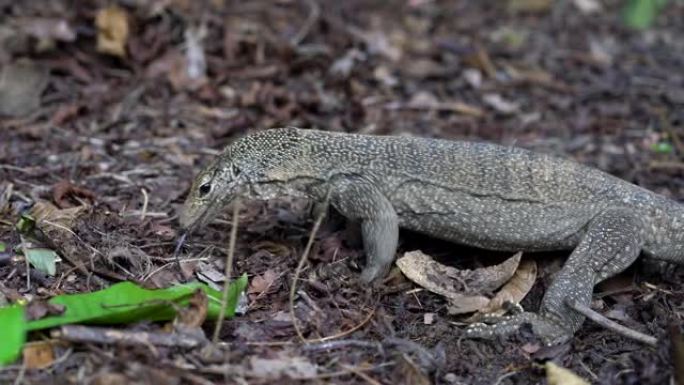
(38, 355)
(47, 214)
(515, 289)
(462, 288)
(112, 30)
(195, 313)
(262, 283)
(466, 290)
(557, 375)
(66, 194)
(478, 281)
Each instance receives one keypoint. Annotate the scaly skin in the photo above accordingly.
(479, 194)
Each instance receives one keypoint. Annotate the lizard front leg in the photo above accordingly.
(612, 242)
(361, 201)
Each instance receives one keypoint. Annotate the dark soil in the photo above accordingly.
(550, 78)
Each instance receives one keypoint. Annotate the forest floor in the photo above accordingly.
(123, 129)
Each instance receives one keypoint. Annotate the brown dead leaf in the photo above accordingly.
(38, 355)
(40, 309)
(162, 231)
(195, 313)
(65, 194)
(261, 283)
(112, 30)
(515, 289)
(426, 272)
(466, 290)
(45, 213)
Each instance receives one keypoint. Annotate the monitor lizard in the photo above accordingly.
(479, 194)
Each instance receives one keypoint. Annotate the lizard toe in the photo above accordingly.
(550, 332)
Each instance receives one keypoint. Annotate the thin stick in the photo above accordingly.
(612, 325)
(314, 14)
(176, 253)
(146, 200)
(229, 267)
(300, 266)
(24, 250)
(364, 376)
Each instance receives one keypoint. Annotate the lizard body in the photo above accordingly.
(479, 194)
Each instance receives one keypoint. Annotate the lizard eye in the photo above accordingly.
(236, 170)
(204, 189)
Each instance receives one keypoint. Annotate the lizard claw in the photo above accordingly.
(550, 332)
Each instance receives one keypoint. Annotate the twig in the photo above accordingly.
(100, 335)
(229, 266)
(505, 376)
(346, 332)
(20, 375)
(314, 14)
(146, 200)
(361, 374)
(300, 266)
(612, 325)
(24, 250)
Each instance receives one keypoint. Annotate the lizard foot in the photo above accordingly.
(550, 332)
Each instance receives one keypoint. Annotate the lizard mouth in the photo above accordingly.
(191, 221)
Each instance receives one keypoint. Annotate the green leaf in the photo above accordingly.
(42, 259)
(3, 247)
(662, 147)
(12, 333)
(124, 302)
(234, 290)
(640, 14)
(26, 224)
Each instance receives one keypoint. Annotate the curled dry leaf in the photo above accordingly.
(466, 289)
(463, 288)
(478, 281)
(515, 289)
(112, 30)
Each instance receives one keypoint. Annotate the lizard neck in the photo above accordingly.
(296, 188)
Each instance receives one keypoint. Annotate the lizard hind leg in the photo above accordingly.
(612, 242)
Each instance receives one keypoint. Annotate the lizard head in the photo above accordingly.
(250, 167)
